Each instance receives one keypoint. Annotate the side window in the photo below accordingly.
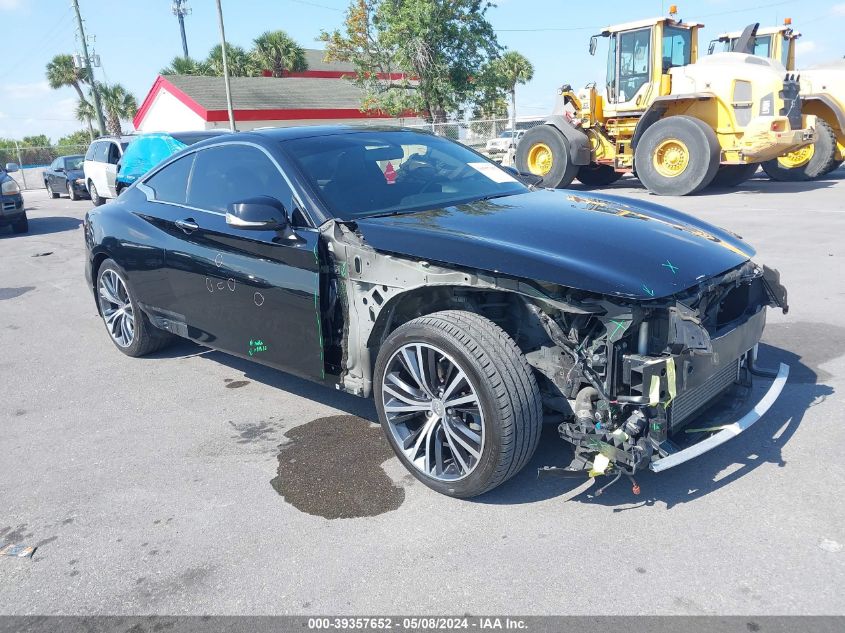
(611, 69)
(763, 46)
(101, 151)
(171, 183)
(676, 47)
(89, 155)
(231, 173)
(114, 154)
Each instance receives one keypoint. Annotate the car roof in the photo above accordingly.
(126, 138)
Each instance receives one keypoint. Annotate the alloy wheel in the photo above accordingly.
(116, 308)
(433, 412)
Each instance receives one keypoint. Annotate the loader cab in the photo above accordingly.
(772, 43)
(640, 55)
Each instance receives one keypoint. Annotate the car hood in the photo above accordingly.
(588, 241)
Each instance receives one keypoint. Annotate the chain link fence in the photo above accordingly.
(491, 137)
(33, 161)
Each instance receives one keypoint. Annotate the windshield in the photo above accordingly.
(372, 173)
(73, 162)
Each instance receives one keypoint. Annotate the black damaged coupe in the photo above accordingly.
(400, 265)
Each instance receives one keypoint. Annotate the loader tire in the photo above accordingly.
(677, 156)
(807, 163)
(544, 152)
(733, 175)
(597, 175)
(836, 165)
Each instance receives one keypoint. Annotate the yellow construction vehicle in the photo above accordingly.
(822, 95)
(674, 119)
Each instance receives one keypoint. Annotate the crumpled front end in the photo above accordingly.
(638, 376)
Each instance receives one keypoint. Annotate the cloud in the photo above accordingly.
(805, 46)
(839, 9)
(26, 90)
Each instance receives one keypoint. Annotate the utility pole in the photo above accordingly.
(180, 10)
(97, 106)
(226, 68)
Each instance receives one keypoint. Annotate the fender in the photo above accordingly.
(828, 101)
(658, 108)
(579, 144)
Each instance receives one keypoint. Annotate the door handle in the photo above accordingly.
(188, 225)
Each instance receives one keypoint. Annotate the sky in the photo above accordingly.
(136, 38)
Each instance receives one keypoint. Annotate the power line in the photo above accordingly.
(314, 4)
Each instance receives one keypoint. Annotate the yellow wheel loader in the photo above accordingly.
(677, 121)
(822, 95)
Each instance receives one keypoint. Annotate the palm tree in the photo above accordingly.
(514, 68)
(85, 113)
(240, 63)
(61, 72)
(186, 66)
(278, 52)
(118, 104)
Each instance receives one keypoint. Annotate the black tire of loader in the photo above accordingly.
(704, 154)
(597, 175)
(563, 171)
(820, 163)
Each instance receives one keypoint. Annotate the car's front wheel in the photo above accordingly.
(458, 402)
(128, 327)
(21, 226)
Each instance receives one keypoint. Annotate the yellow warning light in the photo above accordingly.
(673, 9)
(787, 21)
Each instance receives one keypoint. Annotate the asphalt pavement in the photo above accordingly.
(193, 482)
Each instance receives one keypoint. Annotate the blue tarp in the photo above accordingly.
(144, 153)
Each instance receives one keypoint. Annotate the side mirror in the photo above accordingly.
(712, 47)
(594, 41)
(261, 213)
(10, 167)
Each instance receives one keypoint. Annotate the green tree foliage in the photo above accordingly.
(61, 72)
(513, 68)
(74, 143)
(442, 44)
(277, 52)
(187, 66)
(118, 104)
(241, 63)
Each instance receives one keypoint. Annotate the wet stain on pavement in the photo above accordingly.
(332, 468)
(235, 384)
(250, 433)
(45, 254)
(13, 293)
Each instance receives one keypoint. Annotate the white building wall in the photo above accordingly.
(244, 126)
(168, 114)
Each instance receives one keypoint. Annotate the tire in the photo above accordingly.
(96, 200)
(819, 162)
(597, 175)
(834, 166)
(677, 156)
(145, 337)
(21, 226)
(509, 417)
(71, 192)
(733, 175)
(52, 193)
(544, 152)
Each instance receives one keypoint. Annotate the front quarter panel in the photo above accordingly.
(119, 231)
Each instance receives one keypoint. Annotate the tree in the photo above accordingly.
(85, 114)
(240, 63)
(490, 99)
(514, 68)
(118, 105)
(61, 72)
(277, 52)
(187, 66)
(74, 143)
(439, 45)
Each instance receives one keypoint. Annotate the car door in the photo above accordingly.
(251, 293)
(50, 175)
(112, 159)
(98, 167)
